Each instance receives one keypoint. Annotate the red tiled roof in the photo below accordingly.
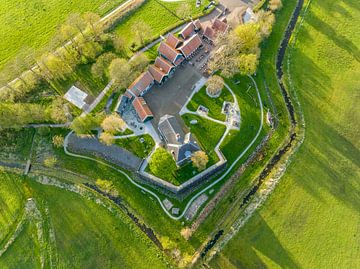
(163, 65)
(128, 94)
(188, 29)
(156, 73)
(172, 41)
(219, 26)
(191, 45)
(209, 33)
(141, 108)
(141, 83)
(197, 24)
(168, 52)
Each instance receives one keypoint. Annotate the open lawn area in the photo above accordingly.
(134, 145)
(33, 23)
(312, 218)
(213, 104)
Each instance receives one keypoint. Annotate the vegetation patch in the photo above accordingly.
(140, 145)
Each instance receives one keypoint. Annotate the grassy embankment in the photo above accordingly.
(85, 234)
(312, 218)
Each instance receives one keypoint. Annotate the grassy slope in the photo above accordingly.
(87, 235)
(33, 23)
(11, 203)
(312, 219)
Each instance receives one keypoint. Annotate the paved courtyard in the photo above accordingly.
(172, 95)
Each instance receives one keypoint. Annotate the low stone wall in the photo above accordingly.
(190, 185)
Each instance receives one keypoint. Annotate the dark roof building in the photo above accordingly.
(142, 109)
(190, 46)
(142, 84)
(179, 144)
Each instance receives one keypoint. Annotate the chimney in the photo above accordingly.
(178, 137)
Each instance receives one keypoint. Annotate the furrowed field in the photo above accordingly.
(33, 23)
(312, 218)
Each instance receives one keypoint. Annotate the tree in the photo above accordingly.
(107, 138)
(50, 161)
(113, 123)
(214, 85)
(199, 160)
(90, 49)
(275, 5)
(76, 21)
(266, 20)
(248, 64)
(58, 141)
(249, 36)
(162, 164)
(53, 67)
(57, 111)
(92, 19)
(107, 186)
(84, 124)
(102, 62)
(120, 72)
(139, 63)
(184, 11)
(142, 32)
(118, 43)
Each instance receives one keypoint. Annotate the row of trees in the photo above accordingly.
(239, 51)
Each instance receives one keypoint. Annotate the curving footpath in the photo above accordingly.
(195, 195)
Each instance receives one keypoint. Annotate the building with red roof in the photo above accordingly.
(190, 46)
(170, 54)
(142, 84)
(158, 75)
(209, 34)
(220, 26)
(164, 65)
(187, 31)
(142, 109)
(173, 41)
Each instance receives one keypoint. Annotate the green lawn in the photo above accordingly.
(207, 133)
(312, 218)
(160, 16)
(213, 104)
(133, 144)
(33, 23)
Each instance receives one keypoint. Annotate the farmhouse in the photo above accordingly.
(191, 46)
(218, 27)
(180, 145)
(164, 66)
(142, 109)
(142, 84)
(170, 54)
(173, 41)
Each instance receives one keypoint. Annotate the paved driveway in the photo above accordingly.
(172, 95)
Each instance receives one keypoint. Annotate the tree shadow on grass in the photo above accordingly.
(340, 40)
(244, 252)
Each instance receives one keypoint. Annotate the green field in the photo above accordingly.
(134, 145)
(33, 23)
(312, 218)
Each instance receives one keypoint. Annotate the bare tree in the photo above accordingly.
(200, 160)
(107, 138)
(275, 5)
(113, 123)
(214, 85)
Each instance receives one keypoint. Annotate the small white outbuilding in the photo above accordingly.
(76, 96)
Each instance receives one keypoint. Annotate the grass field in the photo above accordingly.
(33, 23)
(213, 104)
(312, 218)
